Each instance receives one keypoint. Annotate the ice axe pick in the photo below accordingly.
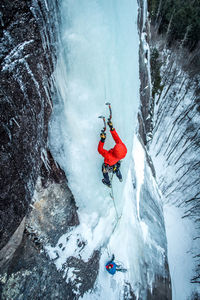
(104, 122)
(109, 105)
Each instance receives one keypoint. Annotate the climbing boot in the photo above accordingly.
(106, 183)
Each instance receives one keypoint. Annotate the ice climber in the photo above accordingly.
(112, 267)
(113, 156)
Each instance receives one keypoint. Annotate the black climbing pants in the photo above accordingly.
(111, 169)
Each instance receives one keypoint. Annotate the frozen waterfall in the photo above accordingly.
(99, 62)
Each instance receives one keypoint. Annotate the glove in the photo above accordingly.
(110, 124)
(103, 137)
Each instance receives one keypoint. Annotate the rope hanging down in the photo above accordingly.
(112, 196)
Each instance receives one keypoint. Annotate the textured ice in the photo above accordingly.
(174, 158)
(99, 38)
(98, 63)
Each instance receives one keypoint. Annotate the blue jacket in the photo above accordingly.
(113, 269)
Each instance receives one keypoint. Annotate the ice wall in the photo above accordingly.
(27, 62)
(98, 63)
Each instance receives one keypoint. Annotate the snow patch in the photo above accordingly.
(181, 247)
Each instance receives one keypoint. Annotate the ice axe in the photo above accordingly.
(104, 122)
(109, 105)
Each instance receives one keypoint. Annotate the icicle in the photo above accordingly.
(45, 160)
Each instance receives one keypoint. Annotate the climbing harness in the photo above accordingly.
(109, 169)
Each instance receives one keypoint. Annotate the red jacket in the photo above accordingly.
(115, 154)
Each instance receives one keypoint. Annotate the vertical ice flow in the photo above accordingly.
(98, 63)
(138, 155)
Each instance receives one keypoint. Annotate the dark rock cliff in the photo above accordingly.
(29, 273)
(36, 205)
(26, 63)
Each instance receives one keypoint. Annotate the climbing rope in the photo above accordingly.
(112, 196)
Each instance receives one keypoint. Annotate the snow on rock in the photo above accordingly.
(181, 250)
(175, 155)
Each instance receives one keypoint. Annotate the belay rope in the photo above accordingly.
(105, 244)
(112, 196)
(111, 176)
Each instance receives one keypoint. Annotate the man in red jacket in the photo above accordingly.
(113, 156)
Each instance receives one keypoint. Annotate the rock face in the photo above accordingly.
(26, 63)
(147, 102)
(37, 206)
(8, 250)
(31, 276)
(53, 206)
(29, 273)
